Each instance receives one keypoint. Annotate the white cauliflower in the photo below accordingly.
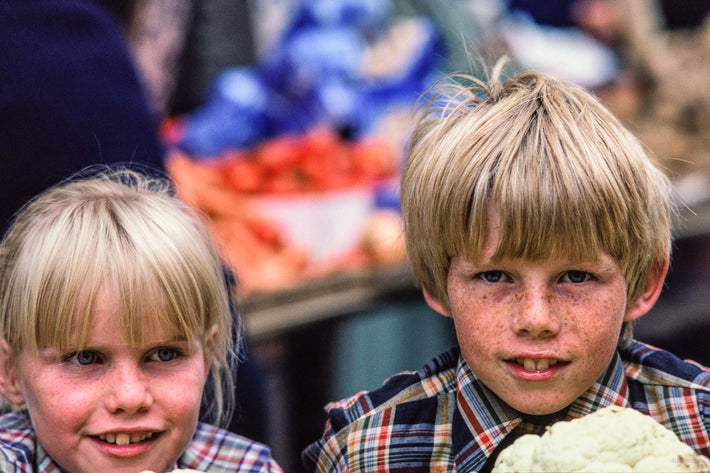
(612, 439)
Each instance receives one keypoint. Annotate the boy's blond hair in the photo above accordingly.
(127, 234)
(565, 176)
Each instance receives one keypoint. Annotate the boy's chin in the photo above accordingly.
(539, 406)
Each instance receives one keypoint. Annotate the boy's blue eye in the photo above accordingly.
(492, 276)
(577, 277)
(83, 358)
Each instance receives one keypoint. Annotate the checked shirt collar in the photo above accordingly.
(482, 420)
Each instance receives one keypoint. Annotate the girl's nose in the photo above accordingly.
(129, 390)
(536, 315)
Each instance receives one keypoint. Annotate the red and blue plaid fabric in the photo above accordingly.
(211, 449)
(442, 418)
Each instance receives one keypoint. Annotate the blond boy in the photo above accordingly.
(536, 222)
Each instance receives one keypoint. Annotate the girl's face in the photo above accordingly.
(112, 407)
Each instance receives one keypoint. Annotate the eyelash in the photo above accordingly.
(586, 276)
(73, 357)
(503, 276)
(485, 274)
(174, 352)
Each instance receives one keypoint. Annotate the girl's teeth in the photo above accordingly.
(125, 439)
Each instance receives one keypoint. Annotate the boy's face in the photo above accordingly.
(538, 334)
(85, 406)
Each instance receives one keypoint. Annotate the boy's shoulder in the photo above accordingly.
(675, 392)
(216, 449)
(648, 364)
(408, 389)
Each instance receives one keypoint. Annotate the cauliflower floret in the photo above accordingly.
(611, 439)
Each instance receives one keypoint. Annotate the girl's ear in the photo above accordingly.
(209, 347)
(436, 304)
(651, 292)
(9, 382)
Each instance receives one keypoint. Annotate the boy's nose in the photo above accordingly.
(129, 391)
(537, 314)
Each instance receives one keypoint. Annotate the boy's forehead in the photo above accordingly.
(493, 233)
(504, 236)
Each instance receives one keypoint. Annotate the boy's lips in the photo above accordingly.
(535, 364)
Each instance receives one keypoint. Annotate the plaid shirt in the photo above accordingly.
(442, 418)
(211, 449)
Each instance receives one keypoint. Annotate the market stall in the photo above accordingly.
(294, 159)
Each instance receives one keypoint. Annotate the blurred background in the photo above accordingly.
(285, 122)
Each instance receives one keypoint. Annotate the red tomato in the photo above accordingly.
(278, 153)
(242, 174)
(288, 181)
(373, 159)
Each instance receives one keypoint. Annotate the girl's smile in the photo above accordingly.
(111, 406)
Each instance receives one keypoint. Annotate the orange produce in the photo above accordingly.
(227, 189)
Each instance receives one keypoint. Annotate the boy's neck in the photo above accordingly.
(545, 419)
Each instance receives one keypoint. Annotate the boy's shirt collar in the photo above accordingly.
(482, 420)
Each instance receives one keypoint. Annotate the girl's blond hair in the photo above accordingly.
(125, 233)
(565, 176)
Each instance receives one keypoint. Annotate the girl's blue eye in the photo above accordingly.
(492, 276)
(83, 358)
(165, 354)
(577, 277)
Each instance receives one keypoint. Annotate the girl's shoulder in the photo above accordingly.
(18, 442)
(213, 449)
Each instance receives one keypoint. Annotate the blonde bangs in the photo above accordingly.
(61, 266)
(560, 172)
(161, 267)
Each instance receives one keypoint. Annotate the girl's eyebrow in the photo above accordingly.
(177, 338)
(48, 353)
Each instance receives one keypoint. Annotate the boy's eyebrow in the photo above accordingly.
(476, 262)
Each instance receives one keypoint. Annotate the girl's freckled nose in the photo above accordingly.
(128, 391)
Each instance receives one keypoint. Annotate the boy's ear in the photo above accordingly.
(649, 296)
(436, 304)
(9, 383)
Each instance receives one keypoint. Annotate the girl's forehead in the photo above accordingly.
(108, 321)
(115, 328)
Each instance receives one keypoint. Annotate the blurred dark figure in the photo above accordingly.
(601, 17)
(70, 96)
